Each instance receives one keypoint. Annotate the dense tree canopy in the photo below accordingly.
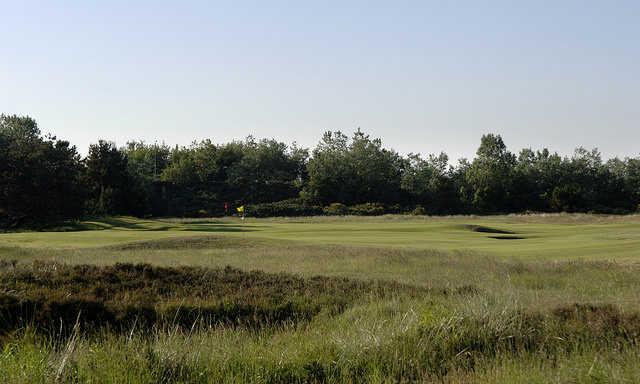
(354, 172)
(107, 178)
(43, 179)
(491, 176)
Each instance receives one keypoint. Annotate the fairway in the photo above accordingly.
(552, 236)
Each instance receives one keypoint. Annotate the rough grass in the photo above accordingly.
(465, 336)
(49, 296)
(533, 282)
(476, 319)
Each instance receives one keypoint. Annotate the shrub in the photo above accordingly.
(367, 209)
(293, 207)
(336, 209)
(396, 208)
(419, 211)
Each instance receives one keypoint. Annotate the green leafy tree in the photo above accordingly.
(41, 178)
(107, 178)
(428, 182)
(268, 171)
(491, 176)
(329, 171)
(145, 164)
(631, 178)
(356, 172)
(567, 198)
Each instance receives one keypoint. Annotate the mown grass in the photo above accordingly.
(553, 237)
(241, 307)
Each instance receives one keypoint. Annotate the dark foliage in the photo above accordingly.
(44, 180)
(293, 207)
(41, 178)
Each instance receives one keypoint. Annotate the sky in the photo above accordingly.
(425, 76)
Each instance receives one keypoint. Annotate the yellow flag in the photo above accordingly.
(240, 208)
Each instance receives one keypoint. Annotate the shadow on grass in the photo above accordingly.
(97, 224)
(484, 229)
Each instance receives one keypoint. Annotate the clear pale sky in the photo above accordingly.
(424, 76)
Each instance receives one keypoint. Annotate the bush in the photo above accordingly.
(396, 209)
(367, 209)
(419, 211)
(293, 207)
(299, 207)
(336, 209)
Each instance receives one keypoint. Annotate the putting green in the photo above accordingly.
(500, 235)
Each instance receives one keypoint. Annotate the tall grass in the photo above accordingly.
(384, 341)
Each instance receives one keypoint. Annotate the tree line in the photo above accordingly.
(44, 179)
